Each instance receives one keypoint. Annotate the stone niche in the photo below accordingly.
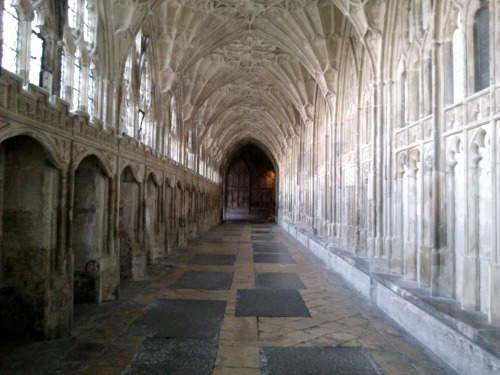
(35, 290)
(96, 270)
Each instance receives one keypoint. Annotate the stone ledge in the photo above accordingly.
(463, 339)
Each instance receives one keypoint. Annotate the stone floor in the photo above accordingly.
(281, 314)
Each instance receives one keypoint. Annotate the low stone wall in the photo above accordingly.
(457, 342)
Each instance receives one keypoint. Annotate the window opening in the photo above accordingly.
(72, 13)
(10, 39)
(36, 53)
(458, 65)
(87, 23)
(91, 92)
(77, 81)
(482, 48)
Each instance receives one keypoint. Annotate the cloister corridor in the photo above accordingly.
(246, 186)
(245, 298)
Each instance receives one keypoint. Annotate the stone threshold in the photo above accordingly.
(463, 339)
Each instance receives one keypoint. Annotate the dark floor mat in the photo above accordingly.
(191, 319)
(271, 303)
(163, 356)
(270, 248)
(203, 280)
(273, 258)
(278, 281)
(266, 238)
(213, 260)
(318, 361)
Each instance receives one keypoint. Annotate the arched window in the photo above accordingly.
(36, 53)
(404, 99)
(128, 106)
(174, 142)
(88, 23)
(77, 80)
(411, 24)
(78, 75)
(458, 64)
(413, 92)
(65, 75)
(146, 127)
(91, 91)
(425, 14)
(10, 45)
(482, 48)
(173, 116)
(73, 14)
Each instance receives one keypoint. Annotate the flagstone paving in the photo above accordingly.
(163, 325)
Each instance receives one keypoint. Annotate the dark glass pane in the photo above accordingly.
(482, 49)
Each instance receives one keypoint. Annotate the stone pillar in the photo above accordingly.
(114, 119)
(142, 199)
(389, 188)
(471, 293)
(116, 212)
(379, 261)
(62, 223)
(494, 272)
(437, 173)
(104, 106)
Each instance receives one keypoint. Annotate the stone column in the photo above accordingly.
(104, 106)
(494, 272)
(357, 194)
(376, 242)
(114, 120)
(140, 230)
(116, 211)
(471, 293)
(62, 223)
(437, 173)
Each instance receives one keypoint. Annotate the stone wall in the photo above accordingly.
(82, 209)
(401, 165)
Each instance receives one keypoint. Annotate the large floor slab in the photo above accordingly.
(273, 258)
(267, 248)
(278, 280)
(176, 318)
(318, 361)
(203, 280)
(173, 357)
(213, 259)
(275, 303)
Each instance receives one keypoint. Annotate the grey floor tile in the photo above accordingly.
(273, 258)
(276, 280)
(213, 259)
(271, 303)
(317, 361)
(203, 280)
(164, 356)
(180, 319)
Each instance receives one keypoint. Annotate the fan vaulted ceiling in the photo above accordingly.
(243, 69)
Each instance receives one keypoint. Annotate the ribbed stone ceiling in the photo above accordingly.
(245, 69)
